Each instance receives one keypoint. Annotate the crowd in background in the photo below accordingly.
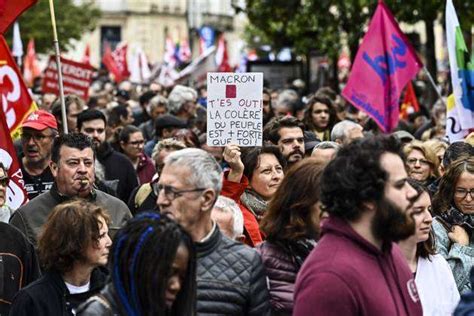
(132, 213)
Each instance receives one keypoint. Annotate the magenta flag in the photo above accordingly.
(384, 64)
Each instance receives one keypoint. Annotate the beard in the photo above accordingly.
(291, 157)
(391, 223)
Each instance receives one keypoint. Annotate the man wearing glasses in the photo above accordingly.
(38, 132)
(230, 276)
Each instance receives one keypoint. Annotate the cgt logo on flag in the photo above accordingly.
(231, 91)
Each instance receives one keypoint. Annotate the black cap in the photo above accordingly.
(168, 120)
(124, 94)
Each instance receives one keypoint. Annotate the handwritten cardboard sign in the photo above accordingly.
(234, 109)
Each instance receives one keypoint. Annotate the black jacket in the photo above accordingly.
(103, 304)
(230, 278)
(118, 167)
(49, 296)
(18, 264)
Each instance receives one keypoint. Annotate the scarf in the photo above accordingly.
(453, 216)
(254, 202)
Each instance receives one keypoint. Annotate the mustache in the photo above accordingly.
(296, 151)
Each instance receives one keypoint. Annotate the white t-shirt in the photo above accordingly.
(78, 289)
(438, 292)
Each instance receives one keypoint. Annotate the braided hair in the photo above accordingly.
(141, 262)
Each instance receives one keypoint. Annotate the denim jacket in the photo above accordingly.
(459, 257)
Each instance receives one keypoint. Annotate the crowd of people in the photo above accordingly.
(132, 213)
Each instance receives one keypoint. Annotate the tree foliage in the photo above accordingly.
(325, 25)
(72, 21)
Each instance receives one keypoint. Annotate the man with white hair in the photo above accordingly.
(182, 102)
(228, 216)
(324, 152)
(230, 276)
(345, 132)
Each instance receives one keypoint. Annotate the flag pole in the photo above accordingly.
(58, 63)
(434, 85)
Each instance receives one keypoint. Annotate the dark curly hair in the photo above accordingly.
(73, 140)
(272, 129)
(356, 176)
(291, 214)
(70, 229)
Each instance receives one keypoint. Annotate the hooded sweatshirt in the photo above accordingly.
(347, 275)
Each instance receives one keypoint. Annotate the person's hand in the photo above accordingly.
(232, 156)
(459, 235)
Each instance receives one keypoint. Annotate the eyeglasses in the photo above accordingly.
(4, 181)
(137, 142)
(422, 162)
(172, 194)
(461, 193)
(37, 138)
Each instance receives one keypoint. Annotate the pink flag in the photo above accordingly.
(384, 64)
(170, 49)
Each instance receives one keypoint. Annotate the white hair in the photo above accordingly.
(179, 96)
(227, 205)
(339, 131)
(327, 145)
(205, 171)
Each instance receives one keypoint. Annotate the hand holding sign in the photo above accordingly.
(232, 157)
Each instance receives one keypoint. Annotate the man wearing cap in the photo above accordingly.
(165, 126)
(38, 132)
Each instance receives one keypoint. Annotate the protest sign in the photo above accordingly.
(76, 77)
(234, 109)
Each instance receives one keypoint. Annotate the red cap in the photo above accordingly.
(40, 120)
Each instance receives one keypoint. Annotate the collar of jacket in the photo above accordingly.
(63, 198)
(338, 226)
(104, 151)
(205, 248)
(98, 278)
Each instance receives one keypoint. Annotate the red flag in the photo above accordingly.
(86, 59)
(31, 69)
(116, 62)
(16, 194)
(222, 58)
(385, 62)
(17, 102)
(10, 10)
(410, 102)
